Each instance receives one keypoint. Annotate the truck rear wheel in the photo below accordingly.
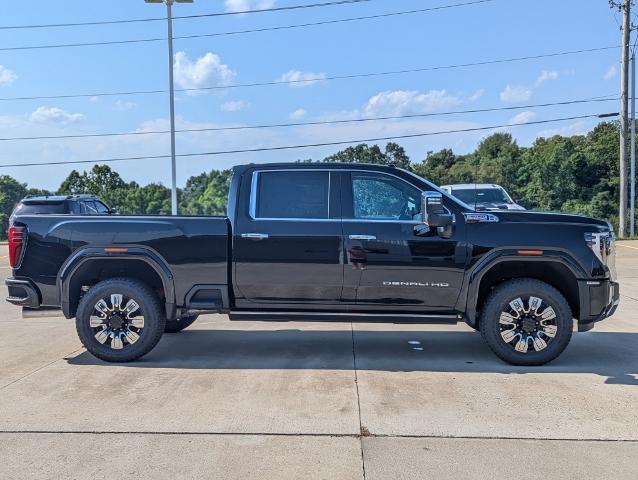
(174, 326)
(120, 320)
(526, 322)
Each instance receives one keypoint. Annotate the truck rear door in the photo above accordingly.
(287, 245)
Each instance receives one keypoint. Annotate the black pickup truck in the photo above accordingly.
(320, 242)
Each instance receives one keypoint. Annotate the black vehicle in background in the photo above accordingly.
(320, 242)
(62, 205)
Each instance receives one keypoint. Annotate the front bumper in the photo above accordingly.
(599, 300)
(22, 293)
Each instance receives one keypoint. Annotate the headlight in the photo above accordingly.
(602, 244)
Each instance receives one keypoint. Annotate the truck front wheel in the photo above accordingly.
(120, 320)
(526, 322)
(177, 325)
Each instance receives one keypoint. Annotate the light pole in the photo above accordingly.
(169, 20)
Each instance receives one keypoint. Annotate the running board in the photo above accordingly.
(363, 317)
(43, 312)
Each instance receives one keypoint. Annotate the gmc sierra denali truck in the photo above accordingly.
(320, 242)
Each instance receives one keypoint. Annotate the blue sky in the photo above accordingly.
(500, 29)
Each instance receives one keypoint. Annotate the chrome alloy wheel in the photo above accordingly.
(528, 322)
(117, 321)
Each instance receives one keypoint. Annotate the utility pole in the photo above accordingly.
(632, 173)
(169, 20)
(625, 8)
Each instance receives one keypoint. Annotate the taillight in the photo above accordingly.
(16, 245)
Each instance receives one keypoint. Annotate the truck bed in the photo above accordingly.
(195, 250)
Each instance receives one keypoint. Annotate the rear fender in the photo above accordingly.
(118, 252)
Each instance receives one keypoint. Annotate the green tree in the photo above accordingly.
(11, 192)
(393, 154)
(207, 194)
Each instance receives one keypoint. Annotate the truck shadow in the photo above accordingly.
(609, 354)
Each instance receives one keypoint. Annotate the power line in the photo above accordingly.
(314, 123)
(324, 79)
(182, 17)
(241, 32)
(302, 146)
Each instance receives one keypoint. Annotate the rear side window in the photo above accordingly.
(52, 208)
(294, 194)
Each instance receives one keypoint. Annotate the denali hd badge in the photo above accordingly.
(480, 218)
(416, 284)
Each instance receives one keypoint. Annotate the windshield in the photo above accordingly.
(482, 195)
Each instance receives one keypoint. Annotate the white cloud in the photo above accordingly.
(301, 79)
(94, 99)
(207, 71)
(523, 117)
(580, 127)
(298, 114)
(55, 115)
(516, 94)
(522, 93)
(244, 5)
(611, 73)
(124, 105)
(7, 77)
(401, 102)
(545, 76)
(476, 95)
(234, 105)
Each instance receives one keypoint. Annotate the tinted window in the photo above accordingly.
(479, 195)
(90, 208)
(101, 208)
(382, 197)
(292, 195)
(52, 208)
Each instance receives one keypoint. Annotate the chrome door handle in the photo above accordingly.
(362, 237)
(255, 236)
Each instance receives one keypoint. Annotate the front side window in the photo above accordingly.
(90, 208)
(382, 197)
(101, 208)
(292, 194)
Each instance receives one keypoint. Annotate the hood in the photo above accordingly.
(519, 216)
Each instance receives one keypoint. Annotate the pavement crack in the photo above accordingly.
(363, 431)
(39, 368)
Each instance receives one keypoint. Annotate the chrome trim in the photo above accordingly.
(253, 196)
(344, 314)
(255, 236)
(362, 237)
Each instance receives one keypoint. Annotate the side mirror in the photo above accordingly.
(112, 211)
(434, 213)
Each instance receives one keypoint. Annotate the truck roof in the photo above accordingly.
(55, 198)
(315, 165)
(471, 186)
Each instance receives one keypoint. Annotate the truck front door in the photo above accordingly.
(288, 238)
(390, 262)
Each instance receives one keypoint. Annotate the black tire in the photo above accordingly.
(175, 326)
(143, 325)
(528, 326)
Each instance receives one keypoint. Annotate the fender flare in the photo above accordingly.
(122, 252)
(476, 274)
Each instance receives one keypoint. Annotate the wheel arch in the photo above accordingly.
(557, 269)
(91, 264)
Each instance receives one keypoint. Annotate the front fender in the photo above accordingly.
(118, 252)
(474, 276)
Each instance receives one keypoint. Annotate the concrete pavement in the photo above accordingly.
(290, 400)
